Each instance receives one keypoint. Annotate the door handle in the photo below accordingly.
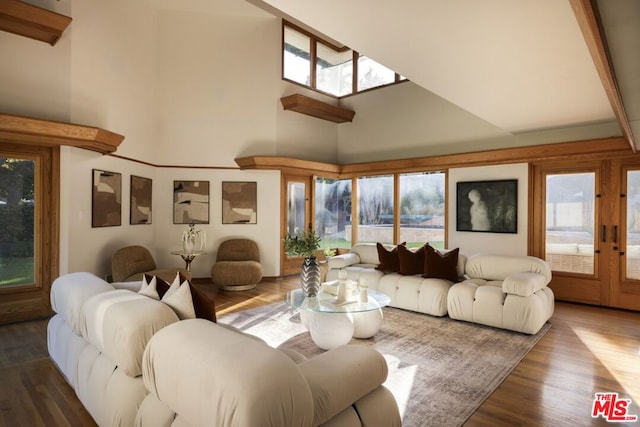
(603, 234)
(614, 234)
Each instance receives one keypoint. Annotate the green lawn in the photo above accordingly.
(16, 271)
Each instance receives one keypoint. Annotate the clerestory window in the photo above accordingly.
(336, 71)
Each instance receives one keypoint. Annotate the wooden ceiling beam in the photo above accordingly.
(587, 15)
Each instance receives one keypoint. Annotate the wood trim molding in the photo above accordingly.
(313, 107)
(596, 148)
(289, 165)
(31, 21)
(28, 130)
(588, 18)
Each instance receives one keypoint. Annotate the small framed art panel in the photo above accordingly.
(106, 198)
(239, 202)
(140, 206)
(191, 202)
(487, 206)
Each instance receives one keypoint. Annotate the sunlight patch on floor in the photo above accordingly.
(400, 383)
(238, 307)
(620, 355)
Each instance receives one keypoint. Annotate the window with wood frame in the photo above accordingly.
(337, 71)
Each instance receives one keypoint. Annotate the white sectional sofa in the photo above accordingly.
(508, 292)
(131, 361)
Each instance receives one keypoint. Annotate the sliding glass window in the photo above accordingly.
(375, 209)
(422, 208)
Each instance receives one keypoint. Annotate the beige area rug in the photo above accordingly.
(440, 370)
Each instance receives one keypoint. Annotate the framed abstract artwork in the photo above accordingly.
(140, 206)
(487, 206)
(191, 202)
(239, 202)
(106, 198)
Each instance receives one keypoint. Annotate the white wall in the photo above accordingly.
(84, 248)
(35, 76)
(218, 87)
(498, 243)
(306, 137)
(404, 121)
(114, 82)
(266, 233)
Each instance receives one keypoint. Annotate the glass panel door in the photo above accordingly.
(570, 222)
(625, 240)
(296, 201)
(296, 219)
(29, 194)
(570, 211)
(17, 204)
(632, 248)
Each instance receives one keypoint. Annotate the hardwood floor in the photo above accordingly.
(587, 350)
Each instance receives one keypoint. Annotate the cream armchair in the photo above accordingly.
(131, 262)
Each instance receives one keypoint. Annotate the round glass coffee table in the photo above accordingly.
(333, 323)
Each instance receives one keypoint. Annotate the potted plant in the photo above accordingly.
(305, 245)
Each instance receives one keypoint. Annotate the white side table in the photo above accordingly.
(332, 325)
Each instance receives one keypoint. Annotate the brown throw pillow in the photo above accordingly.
(203, 304)
(389, 259)
(411, 262)
(441, 265)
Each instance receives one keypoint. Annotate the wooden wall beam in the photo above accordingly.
(28, 130)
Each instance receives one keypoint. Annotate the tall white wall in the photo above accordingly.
(35, 76)
(219, 87)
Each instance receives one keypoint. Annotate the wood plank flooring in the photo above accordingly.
(587, 350)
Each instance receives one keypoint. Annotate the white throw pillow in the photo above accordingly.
(178, 297)
(173, 287)
(149, 289)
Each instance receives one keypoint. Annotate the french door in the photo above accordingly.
(586, 225)
(296, 199)
(29, 194)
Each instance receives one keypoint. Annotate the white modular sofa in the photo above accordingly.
(415, 293)
(131, 361)
(508, 292)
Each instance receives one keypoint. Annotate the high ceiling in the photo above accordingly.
(521, 65)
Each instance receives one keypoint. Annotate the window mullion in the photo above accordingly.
(313, 59)
(354, 79)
